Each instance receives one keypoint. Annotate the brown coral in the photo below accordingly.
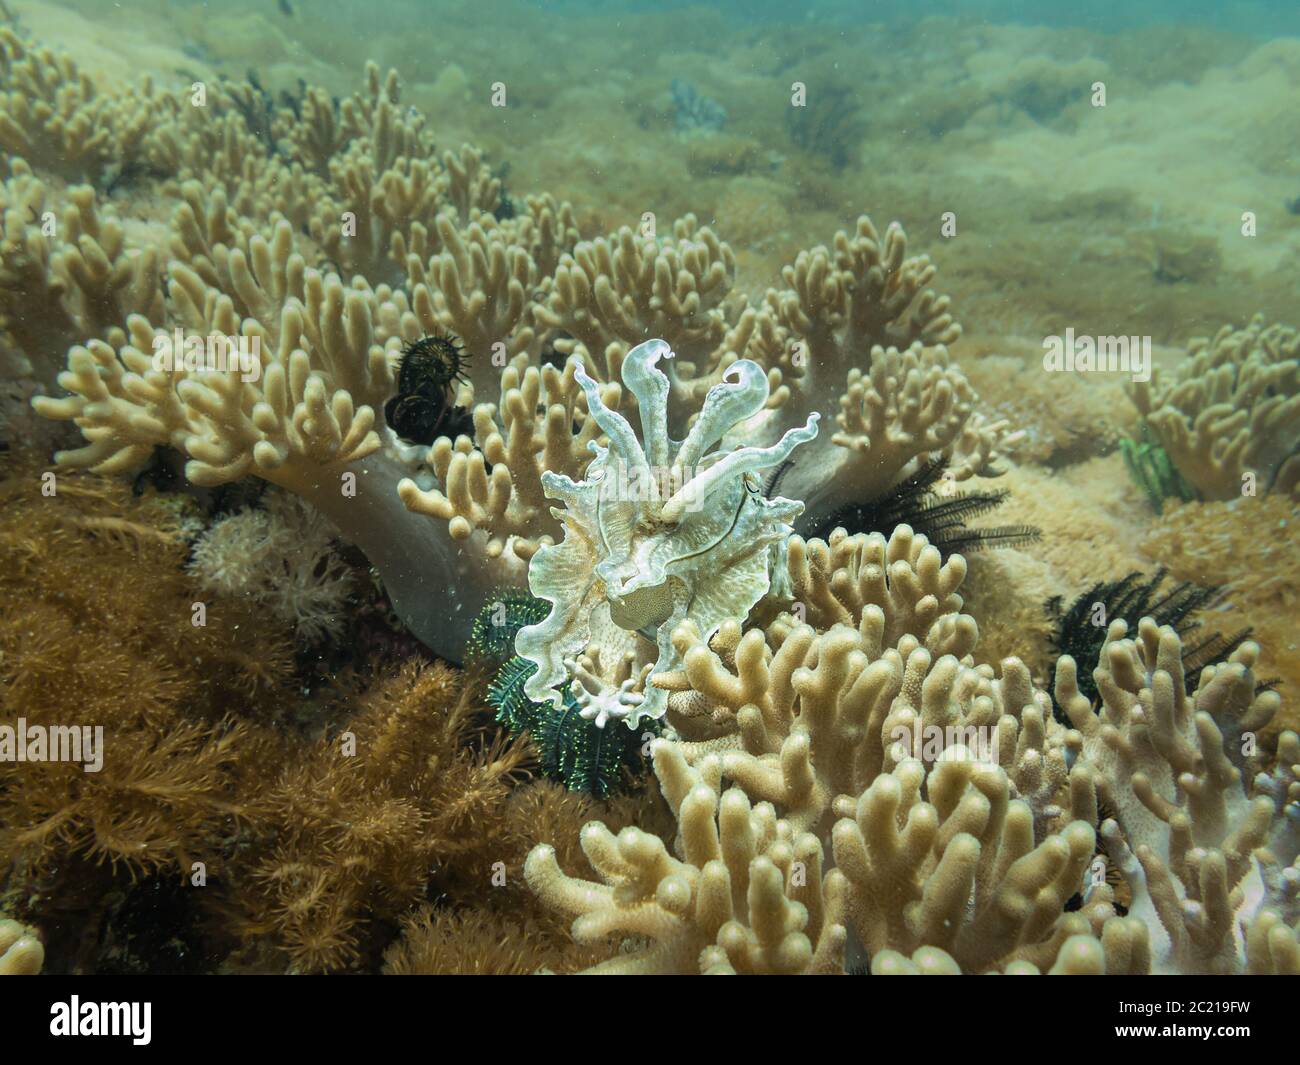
(101, 633)
(407, 788)
(1247, 546)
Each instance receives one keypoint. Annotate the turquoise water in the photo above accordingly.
(1261, 18)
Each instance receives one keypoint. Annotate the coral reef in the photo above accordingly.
(267, 265)
(225, 798)
(406, 788)
(824, 822)
(109, 626)
(164, 690)
(309, 423)
(321, 390)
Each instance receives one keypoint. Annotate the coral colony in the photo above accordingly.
(577, 464)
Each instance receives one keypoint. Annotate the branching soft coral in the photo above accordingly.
(346, 238)
(50, 112)
(508, 508)
(67, 274)
(308, 417)
(857, 323)
(729, 902)
(1190, 819)
(802, 727)
(751, 892)
(864, 292)
(629, 288)
(478, 286)
(1231, 410)
(840, 802)
(856, 326)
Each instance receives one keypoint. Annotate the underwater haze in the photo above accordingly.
(649, 488)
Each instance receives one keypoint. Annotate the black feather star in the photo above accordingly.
(1080, 630)
(938, 513)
